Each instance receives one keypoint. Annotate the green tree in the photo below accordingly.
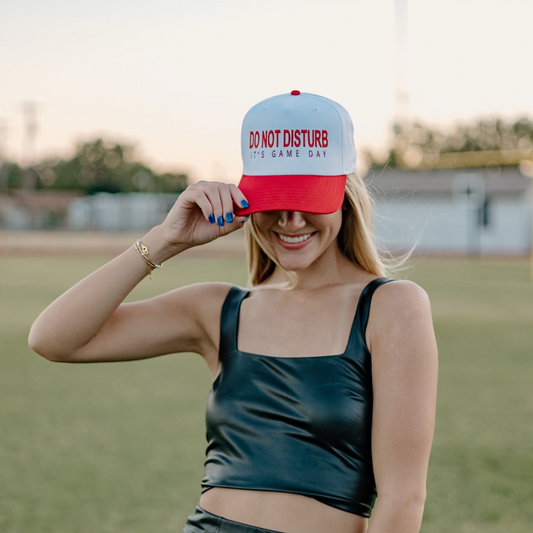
(10, 177)
(97, 166)
(417, 140)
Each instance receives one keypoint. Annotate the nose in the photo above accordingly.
(291, 221)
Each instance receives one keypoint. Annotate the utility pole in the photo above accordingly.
(3, 138)
(3, 169)
(29, 110)
(402, 94)
(401, 103)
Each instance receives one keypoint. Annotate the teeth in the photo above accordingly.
(294, 240)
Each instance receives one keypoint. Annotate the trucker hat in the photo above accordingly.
(297, 149)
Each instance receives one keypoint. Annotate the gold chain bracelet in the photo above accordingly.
(143, 252)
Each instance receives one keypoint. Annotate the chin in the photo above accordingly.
(296, 264)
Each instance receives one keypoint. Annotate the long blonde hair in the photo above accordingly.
(355, 241)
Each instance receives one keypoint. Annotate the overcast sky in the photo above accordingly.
(175, 77)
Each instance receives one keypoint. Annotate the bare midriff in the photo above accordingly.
(280, 511)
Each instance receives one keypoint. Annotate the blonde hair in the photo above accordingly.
(355, 241)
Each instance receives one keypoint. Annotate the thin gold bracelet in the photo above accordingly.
(143, 252)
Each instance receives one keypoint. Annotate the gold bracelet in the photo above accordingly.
(143, 252)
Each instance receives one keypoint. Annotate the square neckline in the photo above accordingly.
(343, 354)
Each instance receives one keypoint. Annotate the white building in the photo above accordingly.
(119, 212)
(484, 211)
(480, 211)
(36, 210)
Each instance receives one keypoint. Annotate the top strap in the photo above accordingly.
(229, 319)
(363, 307)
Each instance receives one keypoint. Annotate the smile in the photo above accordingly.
(294, 240)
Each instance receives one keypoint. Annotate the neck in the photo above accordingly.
(331, 268)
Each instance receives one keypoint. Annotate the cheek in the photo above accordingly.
(337, 223)
(263, 220)
(338, 227)
(333, 225)
(258, 222)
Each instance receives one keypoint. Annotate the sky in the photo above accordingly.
(175, 78)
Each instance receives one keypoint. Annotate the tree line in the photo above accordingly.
(417, 141)
(103, 166)
(97, 166)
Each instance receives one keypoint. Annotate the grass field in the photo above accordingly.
(119, 448)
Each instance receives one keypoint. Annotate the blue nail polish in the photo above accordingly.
(245, 204)
(212, 218)
(220, 221)
(229, 218)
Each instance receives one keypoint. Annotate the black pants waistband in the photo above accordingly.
(202, 521)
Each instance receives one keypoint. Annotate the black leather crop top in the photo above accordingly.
(293, 424)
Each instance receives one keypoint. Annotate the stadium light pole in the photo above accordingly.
(401, 103)
(531, 217)
(29, 110)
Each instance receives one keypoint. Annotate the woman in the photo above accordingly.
(320, 400)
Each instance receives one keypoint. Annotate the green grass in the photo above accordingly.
(120, 447)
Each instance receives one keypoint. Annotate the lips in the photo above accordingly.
(294, 239)
(294, 242)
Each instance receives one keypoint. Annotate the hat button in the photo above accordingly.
(295, 93)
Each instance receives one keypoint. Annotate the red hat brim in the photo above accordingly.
(311, 194)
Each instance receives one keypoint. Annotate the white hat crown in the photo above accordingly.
(298, 134)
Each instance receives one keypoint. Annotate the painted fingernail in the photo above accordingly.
(229, 218)
(212, 218)
(246, 219)
(220, 220)
(245, 204)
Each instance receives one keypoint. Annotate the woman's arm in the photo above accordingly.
(404, 369)
(89, 322)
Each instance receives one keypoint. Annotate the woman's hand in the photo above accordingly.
(203, 212)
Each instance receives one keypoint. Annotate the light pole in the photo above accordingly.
(401, 110)
(526, 169)
(401, 99)
(29, 109)
(530, 176)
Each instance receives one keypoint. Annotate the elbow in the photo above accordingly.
(43, 348)
(35, 343)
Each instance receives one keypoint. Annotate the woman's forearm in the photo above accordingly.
(74, 318)
(396, 515)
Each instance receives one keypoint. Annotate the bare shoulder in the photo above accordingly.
(400, 296)
(204, 301)
(207, 298)
(398, 309)
(189, 312)
(201, 293)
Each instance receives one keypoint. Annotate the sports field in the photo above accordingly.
(119, 447)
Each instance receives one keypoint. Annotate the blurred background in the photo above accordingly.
(108, 110)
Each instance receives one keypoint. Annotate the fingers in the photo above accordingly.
(217, 200)
(229, 196)
(232, 196)
(227, 204)
(238, 197)
(199, 197)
